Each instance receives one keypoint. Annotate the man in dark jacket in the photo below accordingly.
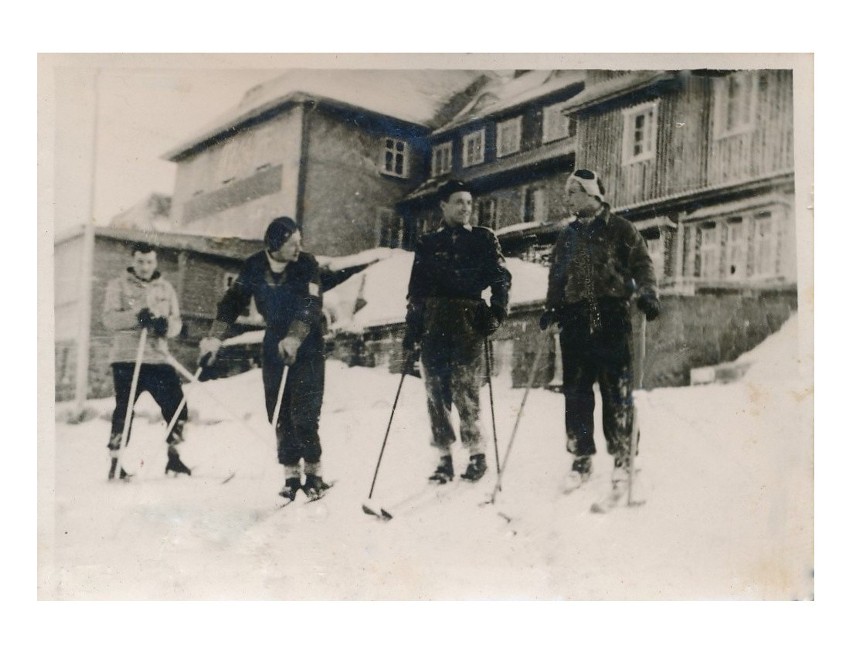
(285, 285)
(598, 262)
(448, 319)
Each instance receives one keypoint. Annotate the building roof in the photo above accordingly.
(233, 248)
(555, 151)
(503, 94)
(616, 87)
(413, 96)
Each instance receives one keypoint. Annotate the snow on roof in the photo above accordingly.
(614, 87)
(500, 94)
(365, 257)
(377, 295)
(415, 96)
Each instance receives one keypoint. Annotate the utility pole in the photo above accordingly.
(81, 377)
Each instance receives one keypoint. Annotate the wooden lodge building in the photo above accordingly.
(701, 161)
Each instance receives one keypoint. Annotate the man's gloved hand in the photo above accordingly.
(159, 326)
(547, 319)
(410, 341)
(208, 348)
(144, 317)
(488, 319)
(649, 305)
(288, 348)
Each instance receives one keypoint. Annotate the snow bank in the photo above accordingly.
(726, 471)
(377, 295)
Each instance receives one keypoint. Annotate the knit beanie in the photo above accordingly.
(278, 232)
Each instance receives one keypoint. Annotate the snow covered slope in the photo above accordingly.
(727, 472)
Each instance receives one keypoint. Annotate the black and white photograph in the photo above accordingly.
(426, 327)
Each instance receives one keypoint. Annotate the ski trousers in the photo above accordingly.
(297, 431)
(162, 382)
(451, 358)
(603, 356)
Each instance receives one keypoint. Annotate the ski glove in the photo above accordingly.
(649, 305)
(207, 350)
(144, 317)
(410, 340)
(487, 319)
(547, 319)
(159, 326)
(288, 348)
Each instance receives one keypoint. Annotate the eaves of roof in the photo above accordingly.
(233, 123)
(552, 151)
(615, 88)
(233, 248)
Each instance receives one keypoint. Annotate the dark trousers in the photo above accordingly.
(452, 371)
(164, 385)
(602, 356)
(297, 431)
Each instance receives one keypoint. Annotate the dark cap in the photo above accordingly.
(278, 232)
(450, 187)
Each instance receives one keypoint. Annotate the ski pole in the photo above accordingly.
(405, 364)
(182, 403)
(174, 362)
(533, 370)
(634, 433)
(491, 397)
(131, 400)
(277, 412)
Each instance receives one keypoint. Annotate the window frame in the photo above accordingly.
(446, 146)
(740, 245)
(502, 126)
(493, 212)
(406, 162)
(391, 228)
(466, 139)
(629, 115)
(722, 105)
(705, 250)
(549, 118)
(767, 217)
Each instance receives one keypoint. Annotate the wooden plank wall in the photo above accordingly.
(689, 156)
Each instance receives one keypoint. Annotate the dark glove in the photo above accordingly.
(144, 317)
(547, 318)
(649, 305)
(159, 326)
(488, 319)
(410, 341)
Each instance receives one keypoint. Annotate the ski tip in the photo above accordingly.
(229, 477)
(379, 513)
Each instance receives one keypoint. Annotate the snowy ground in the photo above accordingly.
(727, 472)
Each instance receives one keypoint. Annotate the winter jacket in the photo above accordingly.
(290, 302)
(125, 297)
(457, 263)
(607, 258)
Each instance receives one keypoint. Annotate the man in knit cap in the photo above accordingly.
(598, 263)
(448, 318)
(141, 299)
(285, 284)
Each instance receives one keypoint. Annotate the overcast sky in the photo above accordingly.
(142, 107)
